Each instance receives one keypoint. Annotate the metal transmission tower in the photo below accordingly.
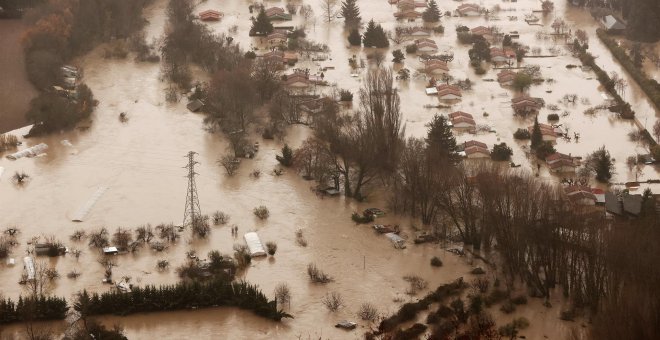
(192, 211)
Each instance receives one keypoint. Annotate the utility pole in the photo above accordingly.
(192, 211)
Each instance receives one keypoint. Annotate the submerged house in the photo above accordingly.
(299, 80)
(277, 14)
(210, 15)
(448, 92)
(426, 45)
(254, 244)
(506, 77)
(436, 67)
(526, 104)
(498, 55)
(277, 38)
(561, 163)
(581, 195)
(623, 205)
(483, 31)
(474, 149)
(467, 10)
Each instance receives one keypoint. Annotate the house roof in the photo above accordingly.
(459, 114)
(437, 65)
(468, 7)
(611, 23)
(505, 75)
(630, 204)
(473, 143)
(424, 40)
(574, 189)
(476, 149)
(210, 14)
(274, 10)
(580, 195)
(462, 119)
(481, 30)
(558, 156)
(561, 163)
(410, 13)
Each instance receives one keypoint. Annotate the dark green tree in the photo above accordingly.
(432, 13)
(261, 25)
(441, 142)
(602, 164)
(537, 137)
(351, 13)
(501, 152)
(398, 56)
(375, 36)
(354, 38)
(544, 150)
(287, 156)
(507, 40)
(480, 51)
(522, 81)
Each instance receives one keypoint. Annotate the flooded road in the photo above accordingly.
(141, 162)
(15, 89)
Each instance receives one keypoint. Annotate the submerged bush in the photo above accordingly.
(436, 262)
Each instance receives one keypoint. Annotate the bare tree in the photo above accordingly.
(230, 163)
(329, 8)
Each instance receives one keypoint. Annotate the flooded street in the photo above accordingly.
(140, 162)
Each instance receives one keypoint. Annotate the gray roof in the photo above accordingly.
(611, 23)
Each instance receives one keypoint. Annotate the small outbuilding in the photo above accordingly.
(254, 244)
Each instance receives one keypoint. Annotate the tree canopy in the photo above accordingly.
(351, 12)
(375, 36)
(261, 25)
(441, 141)
(432, 13)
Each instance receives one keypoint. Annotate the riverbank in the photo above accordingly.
(16, 91)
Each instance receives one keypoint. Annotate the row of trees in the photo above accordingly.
(183, 295)
(32, 308)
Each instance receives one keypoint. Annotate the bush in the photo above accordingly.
(261, 212)
(521, 134)
(367, 312)
(436, 262)
(479, 70)
(220, 218)
(282, 293)
(333, 301)
(398, 56)
(496, 296)
(345, 95)
(478, 271)
(439, 29)
(287, 156)
(360, 219)
(567, 315)
(553, 117)
(250, 55)
(316, 275)
(412, 48)
(8, 142)
(501, 152)
(519, 300)
(508, 307)
(271, 247)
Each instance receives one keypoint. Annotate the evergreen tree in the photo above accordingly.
(602, 164)
(375, 36)
(432, 13)
(537, 137)
(441, 141)
(480, 51)
(261, 25)
(355, 38)
(350, 12)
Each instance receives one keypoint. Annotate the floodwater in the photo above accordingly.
(141, 162)
(15, 89)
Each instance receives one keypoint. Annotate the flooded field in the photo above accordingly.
(15, 89)
(140, 162)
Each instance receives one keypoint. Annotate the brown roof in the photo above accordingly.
(558, 156)
(472, 143)
(573, 189)
(561, 163)
(462, 119)
(422, 40)
(274, 10)
(505, 75)
(433, 66)
(460, 114)
(476, 149)
(481, 30)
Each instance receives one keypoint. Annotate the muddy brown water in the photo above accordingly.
(141, 164)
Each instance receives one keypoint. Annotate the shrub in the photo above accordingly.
(501, 152)
(553, 116)
(250, 55)
(439, 29)
(521, 134)
(282, 293)
(567, 315)
(481, 285)
(519, 300)
(367, 312)
(300, 238)
(479, 70)
(333, 301)
(316, 275)
(220, 218)
(436, 262)
(478, 271)
(398, 56)
(8, 142)
(287, 156)
(345, 95)
(508, 307)
(412, 48)
(496, 296)
(271, 247)
(261, 212)
(358, 218)
(416, 284)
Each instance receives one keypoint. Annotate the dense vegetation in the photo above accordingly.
(183, 295)
(29, 309)
(59, 31)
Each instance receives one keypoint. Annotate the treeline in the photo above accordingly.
(650, 86)
(59, 31)
(587, 59)
(183, 295)
(31, 309)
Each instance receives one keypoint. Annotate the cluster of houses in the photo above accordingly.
(406, 9)
(468, 10)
